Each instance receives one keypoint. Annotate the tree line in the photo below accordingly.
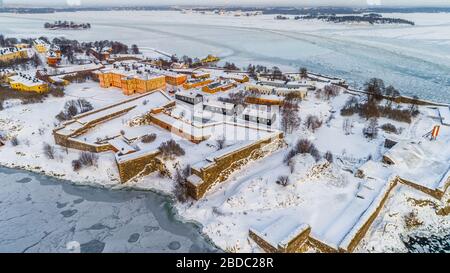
(67, 25)
(371, 19)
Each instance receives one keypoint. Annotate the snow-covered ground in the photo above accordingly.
(317, 195)
(413, 58)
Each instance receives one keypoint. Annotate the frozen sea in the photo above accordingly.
(43, 214)
(415, 59)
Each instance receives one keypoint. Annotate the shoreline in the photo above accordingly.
(172, 209)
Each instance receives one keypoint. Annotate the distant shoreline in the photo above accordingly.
(264, 9)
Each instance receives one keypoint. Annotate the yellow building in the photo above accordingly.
(12, 53)
(5, 74)
(40, 46)
(218, 86)
(27, 83)
(210, 59)
(131, 82)
(53, 56)
(240, 78)
(194, 83)
(200, 75)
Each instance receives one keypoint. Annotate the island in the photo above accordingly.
(371, 18)
(67, 25)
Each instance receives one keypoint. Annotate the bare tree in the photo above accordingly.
(170, 148)
(290, 119)
(313, 123)
(303, 72)
(347, 126)
(148, 138)
(330, 91)
(389, 127)
(221, 143)
(375, 88)
(180, 189)
(49, 151)
(88, 159)
(288, 157)
(283, 180)
(76, 165)
(14, 141)
(371, 130)
(329, 156)
(238, 98)
(305, 146)
(414, 107)
(135, 49)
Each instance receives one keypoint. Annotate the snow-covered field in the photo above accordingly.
(413, 58)
(316, 195)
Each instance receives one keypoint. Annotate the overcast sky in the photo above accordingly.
(231, 2)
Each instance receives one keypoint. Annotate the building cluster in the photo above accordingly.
(119, 128)
(130, 79)
(140, 77)
(268, 86)
(52, 52)
(135, 158)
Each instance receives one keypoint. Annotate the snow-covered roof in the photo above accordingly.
(25, 80)
(157, 70)
(191, 95)
(134, 107)
(192, 80)
(6, 72)
(121, 146)
(268, 88)
(261, 113)
(236, 146)
(342, 229)
(362, 213)
(235, 76)
(271, 97)
(422, 162)
(9, 50)
(194, 179)
(135, 155)
(227, 150)
(40, 42)
(284, 84)
(280, 231)
(77, 68)
(130, 73)
(374, 169)
(219, 104)
(201, 73)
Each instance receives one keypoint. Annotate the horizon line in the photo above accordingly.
(220, 6)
